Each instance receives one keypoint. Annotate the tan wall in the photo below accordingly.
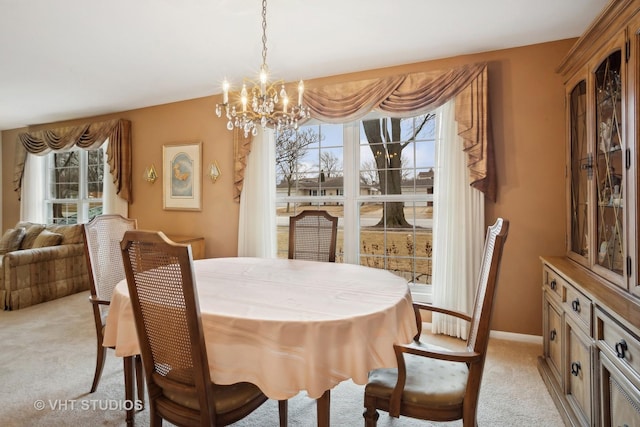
(527, 116)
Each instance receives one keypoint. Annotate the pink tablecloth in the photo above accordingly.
(286, 325)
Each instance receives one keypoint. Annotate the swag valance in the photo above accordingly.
(404, 96)
(87, 136)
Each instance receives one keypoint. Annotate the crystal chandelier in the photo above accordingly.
(268, 106)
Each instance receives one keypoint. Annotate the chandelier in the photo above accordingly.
(263, 104)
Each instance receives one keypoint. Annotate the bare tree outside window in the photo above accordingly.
(385, 140)
(330, 164)
(291, 146)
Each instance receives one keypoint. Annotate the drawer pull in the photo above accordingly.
(575, 305)
(552, 335)
(621, 348)
(575, 369)
(553, 285)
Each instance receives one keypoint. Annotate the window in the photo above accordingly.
(74, 186)
(376, 176)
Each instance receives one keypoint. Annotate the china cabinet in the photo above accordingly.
(591, 296)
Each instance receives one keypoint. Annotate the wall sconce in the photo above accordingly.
(150, 174)
(214, 171)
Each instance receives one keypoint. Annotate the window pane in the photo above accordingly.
(64, 213)
(309, 162)
(64, 176)
(95, 174)
(406, 251)
(74, 183)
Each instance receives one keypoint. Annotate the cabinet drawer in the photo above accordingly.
(578, 306)
(554, 283)
(578, 372)
(619, 343)
(620, 399)
(553, 338)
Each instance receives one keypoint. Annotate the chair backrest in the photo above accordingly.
(102, 236)
(312, 236)
(478, 338)
(165, 305)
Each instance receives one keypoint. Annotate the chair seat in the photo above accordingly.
(227, 398)
(430, 382)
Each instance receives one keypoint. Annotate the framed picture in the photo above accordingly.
(182, 176)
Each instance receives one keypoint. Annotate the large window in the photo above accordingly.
(74, 186)
(376, 176)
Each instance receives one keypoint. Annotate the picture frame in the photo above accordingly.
(182, 176)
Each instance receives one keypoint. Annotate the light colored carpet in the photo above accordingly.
(47, 357)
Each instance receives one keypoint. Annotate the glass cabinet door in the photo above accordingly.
(581, 164)
(608, 166)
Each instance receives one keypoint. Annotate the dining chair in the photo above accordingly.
(434, 383)
(102, 236)
(166, 311)
(312, 236)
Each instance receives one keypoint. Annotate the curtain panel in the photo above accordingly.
(408, 95)
(241, 150)
(87, 136)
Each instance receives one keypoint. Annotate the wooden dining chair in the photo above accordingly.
(312, 236)
(166, 311)
(434, 383)
(102, 236)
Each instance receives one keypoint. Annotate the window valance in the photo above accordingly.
(404, 96)
(87, 136)
(418, 93)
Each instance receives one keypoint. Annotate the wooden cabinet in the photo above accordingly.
(591, 353)
(197, 244)
(593, 371)
(567, 365)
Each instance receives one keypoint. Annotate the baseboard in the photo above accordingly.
(512, 336)
(509, 336)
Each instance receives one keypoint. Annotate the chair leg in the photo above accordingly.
(370, 417)
(128, 388)
(154, 418)
(283, 410)
(101, 355)
(139, 379)
(370, 413)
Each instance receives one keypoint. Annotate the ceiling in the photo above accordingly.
(67, 59)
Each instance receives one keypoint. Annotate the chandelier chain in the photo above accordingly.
(264, 34)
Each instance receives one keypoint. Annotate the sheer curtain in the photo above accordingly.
(31, 208)
(458, 228)
(111, 203)
(256, 232)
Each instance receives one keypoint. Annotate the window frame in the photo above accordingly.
(351, 201)
(83, 201)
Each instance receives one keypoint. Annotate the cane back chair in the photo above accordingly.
(166, 311)
(312, 236)
(433, 383)
(102, 236)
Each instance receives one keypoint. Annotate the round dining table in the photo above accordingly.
(288, 326)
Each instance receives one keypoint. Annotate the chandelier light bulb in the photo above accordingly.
(300, 92)
(225, 92)
(243, 98)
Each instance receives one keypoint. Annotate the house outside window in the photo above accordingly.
(74, 183)
(376, 176)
